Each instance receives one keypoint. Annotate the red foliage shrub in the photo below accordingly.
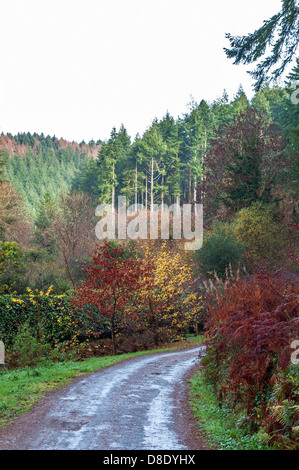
(113, 281)
(251, 325)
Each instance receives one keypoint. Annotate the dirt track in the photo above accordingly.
(137, 404)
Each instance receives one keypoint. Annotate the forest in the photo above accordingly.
(66, 295)
(236, 157)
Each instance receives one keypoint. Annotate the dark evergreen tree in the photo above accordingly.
(44, 237)
(280, 33)
(108, 157)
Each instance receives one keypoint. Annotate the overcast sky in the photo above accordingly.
(75, 68)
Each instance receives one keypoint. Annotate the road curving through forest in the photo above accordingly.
(137, 404)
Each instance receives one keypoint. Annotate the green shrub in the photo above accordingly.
(219, 252)
(26, 350)
(50, 317)
(257, 229)
(10, 260)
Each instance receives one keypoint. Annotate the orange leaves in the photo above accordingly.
(251, 324)
(113, 283)
(151, 292)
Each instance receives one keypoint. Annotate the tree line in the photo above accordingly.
(252, 144)
(46, 166)
(229, 155)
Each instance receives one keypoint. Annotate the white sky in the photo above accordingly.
(75, 68)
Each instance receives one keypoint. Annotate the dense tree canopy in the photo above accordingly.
(227, 154)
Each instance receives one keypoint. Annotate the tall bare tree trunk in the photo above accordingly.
(136, 180)
(113, 190)
(195, 184)
(203, 166)
(152, 184)
(162, 195)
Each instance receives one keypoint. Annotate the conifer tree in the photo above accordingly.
(152, 153)
(171, 176)
(280, 33)
(109, 155)
(222, 110)
(44, 236)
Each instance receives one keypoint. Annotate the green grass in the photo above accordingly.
(220, 425)
(22, 388)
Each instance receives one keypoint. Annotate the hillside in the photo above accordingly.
(37, 164)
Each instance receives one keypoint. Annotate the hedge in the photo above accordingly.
(50, 317)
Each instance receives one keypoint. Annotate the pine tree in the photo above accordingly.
(44, 236)
(171, 176)
(199, 127)
(240, 102)
(152, 153)
(109, 155)
(222, 110)
(294, 74)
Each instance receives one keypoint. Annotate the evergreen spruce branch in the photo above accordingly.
(280, 33)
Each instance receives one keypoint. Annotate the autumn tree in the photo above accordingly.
(251, 323)
(114, 280)
(74, 229)
(10, 258)
(3, 161)
(263, 237)
(15, 224)
(171, 300)
(245, 162)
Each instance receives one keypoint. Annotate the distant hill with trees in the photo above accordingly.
(37, 164)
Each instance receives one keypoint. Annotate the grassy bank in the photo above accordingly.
(220, 425)
(20, 389)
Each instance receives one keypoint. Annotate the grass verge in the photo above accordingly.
(22, 388)
(220, 425)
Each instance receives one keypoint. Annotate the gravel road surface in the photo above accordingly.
(138, 404)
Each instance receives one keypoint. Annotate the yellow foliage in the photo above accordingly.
(172, 299)
(256, 229)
